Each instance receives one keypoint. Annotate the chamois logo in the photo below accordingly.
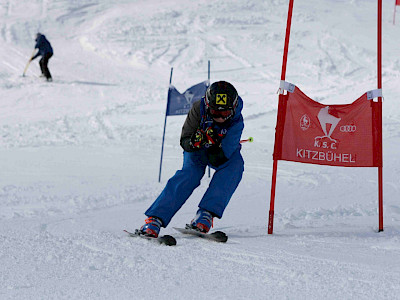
(328, 124)
(324, 119)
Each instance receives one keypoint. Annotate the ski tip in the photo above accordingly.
(220, 236)
(168, 240)
(131, 234)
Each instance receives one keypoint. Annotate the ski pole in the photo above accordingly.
(28, 63)
(250, 140)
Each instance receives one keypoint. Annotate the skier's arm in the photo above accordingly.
(37, 54)
(38, 44)
(190, 127)
(220, 153)
(232, 139)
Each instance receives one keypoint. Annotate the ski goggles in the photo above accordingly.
(224, 114)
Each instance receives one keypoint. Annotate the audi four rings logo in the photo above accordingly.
(348, 128)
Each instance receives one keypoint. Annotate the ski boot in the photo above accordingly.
(152, 227)
(203, 221)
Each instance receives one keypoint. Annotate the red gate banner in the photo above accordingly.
(397, 2)
(336, 135)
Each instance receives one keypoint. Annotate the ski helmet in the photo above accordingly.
(221, 99)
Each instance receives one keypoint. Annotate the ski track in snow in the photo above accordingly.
(80, 155)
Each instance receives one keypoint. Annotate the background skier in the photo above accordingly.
(210, 136)
(46, 51)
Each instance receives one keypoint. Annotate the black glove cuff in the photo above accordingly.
(186, 144)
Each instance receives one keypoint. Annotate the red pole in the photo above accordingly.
(380, 169)
(272, 202)
(286, 48)
(283, 76)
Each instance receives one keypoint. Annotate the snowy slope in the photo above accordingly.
(80, 156)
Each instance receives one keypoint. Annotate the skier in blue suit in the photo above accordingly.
(210, 137)
(46, 51)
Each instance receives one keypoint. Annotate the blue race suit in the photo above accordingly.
(224, 182)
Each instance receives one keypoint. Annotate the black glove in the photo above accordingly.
(211, 137)
(197, 139)
(207, 138)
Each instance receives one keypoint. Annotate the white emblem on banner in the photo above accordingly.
(305, 122)
(189, 97)
(324, 119)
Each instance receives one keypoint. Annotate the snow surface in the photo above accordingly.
(80, 156)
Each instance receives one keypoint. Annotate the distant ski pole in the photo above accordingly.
(28, 63)
(26, 68)
(250, 140)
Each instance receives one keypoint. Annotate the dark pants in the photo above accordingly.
(43, 65)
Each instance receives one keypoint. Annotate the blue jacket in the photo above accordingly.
(43, 45)
(231, 130)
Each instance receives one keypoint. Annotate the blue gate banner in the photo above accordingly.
(180, 104)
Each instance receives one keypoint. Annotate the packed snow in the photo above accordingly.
(80, 155)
